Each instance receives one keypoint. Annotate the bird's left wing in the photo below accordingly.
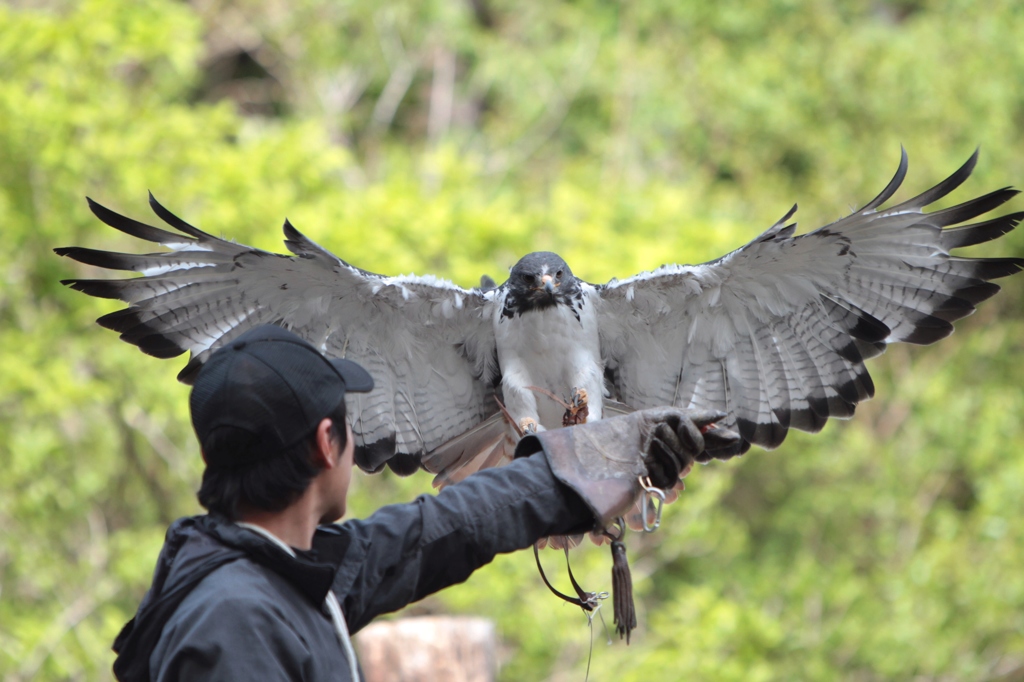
(426, 342)
(776, 332)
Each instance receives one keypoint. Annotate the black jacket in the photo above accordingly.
(226, 604)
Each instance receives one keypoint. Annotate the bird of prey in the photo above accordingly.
(775, 333)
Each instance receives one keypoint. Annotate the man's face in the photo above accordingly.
(339, 478)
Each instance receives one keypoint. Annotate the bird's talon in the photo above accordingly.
(577, 410)
(527, 425)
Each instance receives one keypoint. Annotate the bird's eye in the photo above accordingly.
(558, 274)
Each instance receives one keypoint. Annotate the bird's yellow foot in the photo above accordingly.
(577, 411)
(527, 426)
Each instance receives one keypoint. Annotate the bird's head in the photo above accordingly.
(541, 280)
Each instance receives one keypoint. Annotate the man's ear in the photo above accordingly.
(324, 453)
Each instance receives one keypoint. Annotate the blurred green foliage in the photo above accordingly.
(453, 137)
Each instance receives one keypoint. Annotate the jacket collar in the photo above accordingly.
(305, 570)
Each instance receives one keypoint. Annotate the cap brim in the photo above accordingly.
(357, 379)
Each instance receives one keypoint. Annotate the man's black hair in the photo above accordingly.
(269, 484)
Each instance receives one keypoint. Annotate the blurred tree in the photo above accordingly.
(452, 138)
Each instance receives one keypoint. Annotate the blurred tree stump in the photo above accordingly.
(429, 648)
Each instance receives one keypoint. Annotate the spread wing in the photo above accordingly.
(776, 332)
(427, 342)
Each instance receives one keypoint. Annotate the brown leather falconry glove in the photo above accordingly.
(603, 461)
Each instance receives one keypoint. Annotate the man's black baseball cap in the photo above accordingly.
(264, 392)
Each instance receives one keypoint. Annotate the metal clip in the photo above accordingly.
(649, 492)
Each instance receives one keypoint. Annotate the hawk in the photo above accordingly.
(775, 333)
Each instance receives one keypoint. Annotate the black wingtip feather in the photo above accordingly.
(295, 241)
(740, 448)
(155, 344)
(779, 230)
(870, 349)
(120, 320)
(870, 329)
(979, 233)
(978, 292)
(289, 230)
(850, 352)
(176, 222)
(790, 214)
(771, 436)
(746, 428)
(404, 464)
(867, 386)
(995, 268)
(953, 309)
(188, 373)
(842, 406)
(102, 259)
(894, 184)
(856, 390)
(857, 323)
(808, 420)
(768, 435)
(100, 288)
(927, 331)
(132, 330)
(372, 457)
(973, 208)
(819, 407)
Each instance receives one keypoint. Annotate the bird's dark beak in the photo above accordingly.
(549, 283)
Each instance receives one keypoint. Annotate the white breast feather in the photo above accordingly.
(553, 350)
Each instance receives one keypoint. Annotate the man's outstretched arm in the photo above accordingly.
(586, 477)
(404, 552)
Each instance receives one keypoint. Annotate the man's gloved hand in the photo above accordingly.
(603, 461)
(674, 440)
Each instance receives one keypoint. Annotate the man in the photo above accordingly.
(259, 589)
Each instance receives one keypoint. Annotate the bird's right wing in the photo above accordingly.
(427, 343)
